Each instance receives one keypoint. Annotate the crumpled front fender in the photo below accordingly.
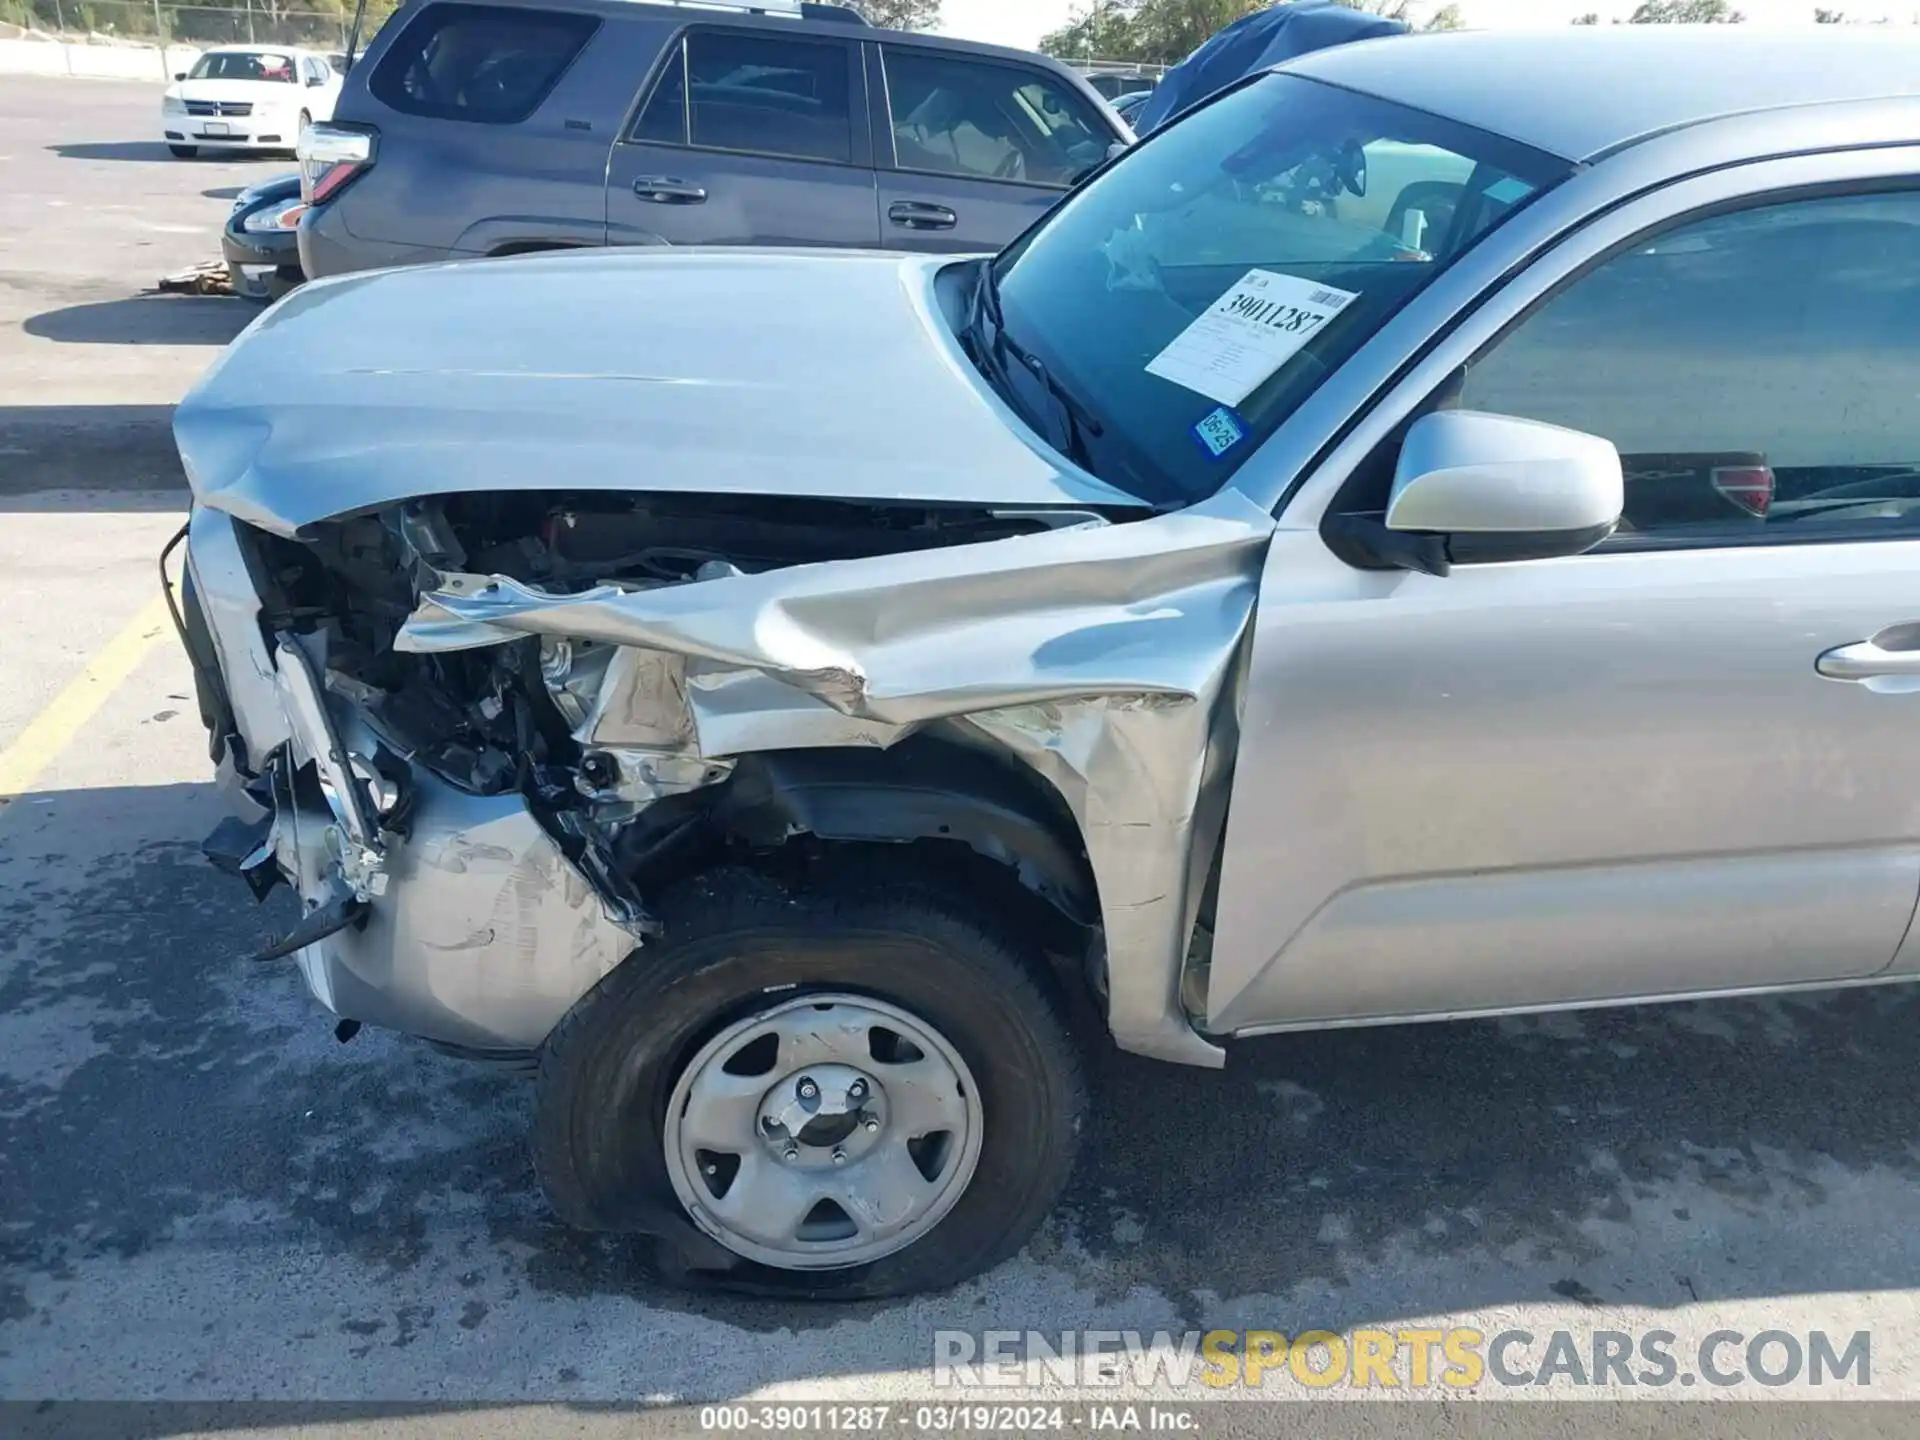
(1101, 656)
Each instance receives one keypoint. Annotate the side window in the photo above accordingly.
(765, 96)
(485, 63)
(663, 121)
(957, 116)
(1758, 371)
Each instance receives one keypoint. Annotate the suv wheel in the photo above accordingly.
(856, 1093)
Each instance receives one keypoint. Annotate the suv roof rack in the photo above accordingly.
(798, 9)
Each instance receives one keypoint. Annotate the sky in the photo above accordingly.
(1022, 22)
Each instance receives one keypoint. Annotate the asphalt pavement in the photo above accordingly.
(204, 1197)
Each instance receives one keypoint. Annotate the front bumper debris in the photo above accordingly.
(425, 909)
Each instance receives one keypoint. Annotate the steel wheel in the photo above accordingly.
(822, 1132)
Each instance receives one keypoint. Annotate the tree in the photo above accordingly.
(1592, 17)
(1387, 9)
(1165, 32)
(1445, 16)
(902, 14)
(1685, 12)
(1151, 32)
(1102, 30)
(1827, 17)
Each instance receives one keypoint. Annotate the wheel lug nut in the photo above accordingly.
(807, 1089)
(839, 1156)
(793, 1152)
(870, 1124)
(857, 1090)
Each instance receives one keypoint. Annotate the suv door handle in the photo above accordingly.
(662, 190)
(917, 215)
(1864, 660)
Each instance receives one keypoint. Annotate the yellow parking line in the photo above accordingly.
(53, 729)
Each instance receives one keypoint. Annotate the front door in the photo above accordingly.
(1623, 774)
(747, 138)
(971, 151)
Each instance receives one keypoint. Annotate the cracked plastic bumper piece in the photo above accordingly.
(467, 925)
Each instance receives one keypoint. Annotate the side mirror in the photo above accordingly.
(179, 74)
(313, 80)
(1472, 488)
(1116, 150)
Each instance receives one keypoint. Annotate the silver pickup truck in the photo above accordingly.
(1430, 533)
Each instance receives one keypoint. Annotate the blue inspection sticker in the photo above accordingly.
(1219, 432)
(1507, 191)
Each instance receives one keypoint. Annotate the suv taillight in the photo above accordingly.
(330, 158)
(1748, 487)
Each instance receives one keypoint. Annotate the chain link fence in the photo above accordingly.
(311, 24)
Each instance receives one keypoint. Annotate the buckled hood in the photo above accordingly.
(776, 373)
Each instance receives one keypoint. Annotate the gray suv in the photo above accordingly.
(494, 129)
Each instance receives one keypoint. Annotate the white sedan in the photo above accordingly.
(246, 97)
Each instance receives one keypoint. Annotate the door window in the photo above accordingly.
(755, 95)
(263, 65)
(1758, 372)
(955, 116)
(663, 120)
(487, 63)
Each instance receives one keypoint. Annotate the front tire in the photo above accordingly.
(183, 152)
(857, 1092)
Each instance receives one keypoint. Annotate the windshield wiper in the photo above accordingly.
(1080, 422)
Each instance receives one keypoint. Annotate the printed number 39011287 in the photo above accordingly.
(1288, 318)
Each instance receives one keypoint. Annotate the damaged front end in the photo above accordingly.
(486, 724)
(491, 718)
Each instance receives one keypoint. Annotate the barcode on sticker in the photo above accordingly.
(1326, 297)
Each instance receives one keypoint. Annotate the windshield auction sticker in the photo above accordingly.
(1262, 322)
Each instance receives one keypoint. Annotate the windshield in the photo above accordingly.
(1169, 316)
(243, 65)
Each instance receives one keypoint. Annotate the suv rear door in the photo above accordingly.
(971, 149)
(747, 137)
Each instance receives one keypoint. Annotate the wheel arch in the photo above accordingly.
(921, 793)
(922, 789)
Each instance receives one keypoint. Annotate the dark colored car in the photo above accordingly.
(260, 240)
(491, 129)
(1117, 84)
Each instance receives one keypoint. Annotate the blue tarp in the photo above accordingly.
(1257, 42)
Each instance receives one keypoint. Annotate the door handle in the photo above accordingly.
(917, 215)
(1864, 660)
(662, 190)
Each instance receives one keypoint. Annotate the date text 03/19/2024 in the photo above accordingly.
(946, 1418)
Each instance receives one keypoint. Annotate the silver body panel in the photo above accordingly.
(226, 592)
(1580, 92)
(486, 936)
(1523, 786)
(694, 372)
(1564, 781)
(1100, 656)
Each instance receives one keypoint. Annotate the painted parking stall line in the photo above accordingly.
(53, 729)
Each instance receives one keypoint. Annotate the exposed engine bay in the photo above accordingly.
(658, 681)
(506, 717)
